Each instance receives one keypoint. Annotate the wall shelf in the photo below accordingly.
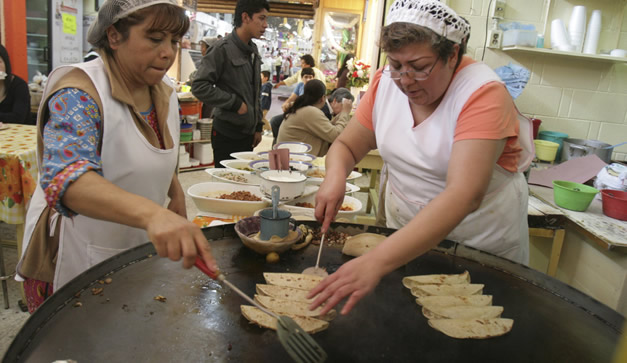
(193, 141)
(592, 57)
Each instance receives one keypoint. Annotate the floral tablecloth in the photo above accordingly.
(18, 170)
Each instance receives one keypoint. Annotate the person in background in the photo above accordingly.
(337, 103)
(306, 61)
(14, 94)
(453, 144)
(266, 97)
(206, 43)
(275, 122)
(285, 66)
(342, 73)
(229, 78)
(104, 177)
(305, 122)
(278, 62)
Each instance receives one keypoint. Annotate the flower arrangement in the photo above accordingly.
(358, 73)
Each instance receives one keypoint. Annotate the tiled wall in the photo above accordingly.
(583, 98)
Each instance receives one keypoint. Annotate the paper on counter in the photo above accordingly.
(578, 170)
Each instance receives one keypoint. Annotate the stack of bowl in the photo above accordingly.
(187, 131)
(546, 150)
(554, 136)
(205, 125)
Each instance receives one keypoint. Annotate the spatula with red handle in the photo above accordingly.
(298, 344)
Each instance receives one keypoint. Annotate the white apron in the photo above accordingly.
(128, 161)
(417, 160)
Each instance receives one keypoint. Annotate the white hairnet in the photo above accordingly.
(113, 10)
(209, 40)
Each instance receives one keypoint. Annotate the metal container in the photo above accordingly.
(575, 148)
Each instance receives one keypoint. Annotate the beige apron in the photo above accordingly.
(128, 161)
(417, 163)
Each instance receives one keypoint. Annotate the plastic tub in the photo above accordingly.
(554, 136)
(546, 150)
(521, 37)
(573, 196)
(614, 203)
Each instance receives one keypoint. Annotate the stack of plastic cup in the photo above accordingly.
(559, 37)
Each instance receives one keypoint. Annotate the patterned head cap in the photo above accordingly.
(430, 14)
(113, 10)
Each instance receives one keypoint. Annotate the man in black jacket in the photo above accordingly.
(229, 79)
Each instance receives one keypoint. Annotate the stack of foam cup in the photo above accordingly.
(559, 37)
(577, 27)
(593, 33)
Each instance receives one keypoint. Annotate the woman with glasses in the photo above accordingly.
(453, 145)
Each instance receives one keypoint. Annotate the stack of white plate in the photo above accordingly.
(205, 126)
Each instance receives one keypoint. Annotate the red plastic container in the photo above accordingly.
(536, 126)
(614, 203)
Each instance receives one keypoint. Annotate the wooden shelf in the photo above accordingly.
(593, 57)
(193, 141)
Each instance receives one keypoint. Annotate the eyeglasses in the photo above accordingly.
(415, 75)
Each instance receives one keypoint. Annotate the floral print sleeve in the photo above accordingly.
(71, 138)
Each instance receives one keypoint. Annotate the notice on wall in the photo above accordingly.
(67, 32)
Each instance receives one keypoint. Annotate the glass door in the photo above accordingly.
(37, 41)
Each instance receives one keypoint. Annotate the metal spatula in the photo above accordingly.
(298, 344)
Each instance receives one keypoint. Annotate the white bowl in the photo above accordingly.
(293, 146)
(351, 188)
(227, 175)
(239, 165)
(262, 165)
(291, 183)
(353, 203)
(247, 155)
(205, 196)
(293, 156)
(316, 175)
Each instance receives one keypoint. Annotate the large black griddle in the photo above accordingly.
(201, 320)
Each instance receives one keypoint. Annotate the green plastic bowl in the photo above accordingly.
(573, 196)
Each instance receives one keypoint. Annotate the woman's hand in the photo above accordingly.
(329, 199)
(355, 279)
(174, 237)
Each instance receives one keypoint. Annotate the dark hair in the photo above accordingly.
(250, 7)
(4, 54)
(266, 74)
(341, 93)
(398, 35)
(307, 58)
(314, 90)
(167, 18)
(348, 57)
(307, 71)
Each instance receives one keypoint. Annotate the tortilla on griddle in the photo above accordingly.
(362, 243)
(462, 312)
(445, 301)
(297, 281)
(472, 328)
(458, 289)
(283, 306)
(256, 316)
(441, 279)
(282, 292)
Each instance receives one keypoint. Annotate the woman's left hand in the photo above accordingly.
(355, 279)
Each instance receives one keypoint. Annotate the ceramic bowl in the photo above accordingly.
(316, 175)
(205, 196)
(291, 183)
(227, 175)
(293, 156)
(293, 146)
(239, 165)
(260, 166)
(353, 203)
(248, 227)
(247, 155)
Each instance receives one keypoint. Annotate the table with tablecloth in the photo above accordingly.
(18, 178)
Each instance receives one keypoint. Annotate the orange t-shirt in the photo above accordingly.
(488, 114)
